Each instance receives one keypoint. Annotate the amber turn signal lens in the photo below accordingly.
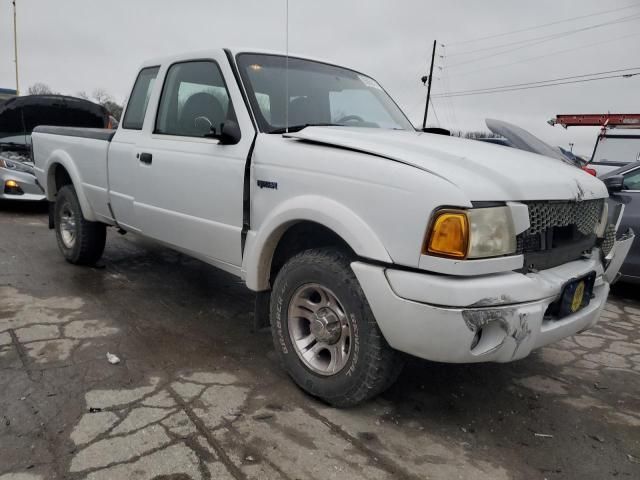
(449, 235)
(11, 184)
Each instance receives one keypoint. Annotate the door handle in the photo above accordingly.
(146, 158)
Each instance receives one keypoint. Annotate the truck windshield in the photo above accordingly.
(318, 94)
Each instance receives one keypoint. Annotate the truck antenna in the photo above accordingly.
(286, 78)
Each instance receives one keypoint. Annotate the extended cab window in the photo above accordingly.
(137, 105)
(194, 100)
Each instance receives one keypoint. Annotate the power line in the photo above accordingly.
(545, 39)
(550, 36)
(571, 77)
(434, 111)
(546, 55)
(557, 22)
(626, 75)
(447, 86)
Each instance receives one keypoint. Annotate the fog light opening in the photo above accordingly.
(11, 187)
(488, 337)
(476, 339)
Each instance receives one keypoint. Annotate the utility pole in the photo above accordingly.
(429, 79)
(15, 46)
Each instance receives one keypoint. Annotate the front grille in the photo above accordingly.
(584, 215)
(559, 232)
(609, 239)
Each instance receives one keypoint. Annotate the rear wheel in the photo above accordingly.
(325, 333)
(80, 241)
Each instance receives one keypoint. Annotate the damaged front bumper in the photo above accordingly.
(488, 318)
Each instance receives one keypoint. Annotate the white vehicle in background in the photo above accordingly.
(363, 237)
(615, 149)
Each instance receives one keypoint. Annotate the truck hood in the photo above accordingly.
(483, 172)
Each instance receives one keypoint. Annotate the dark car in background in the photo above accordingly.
(626, 190)
(510, 135)
(18, 117)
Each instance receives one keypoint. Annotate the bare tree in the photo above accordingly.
(40, 88)
(114, 108)
(82, 94)
(101, 96)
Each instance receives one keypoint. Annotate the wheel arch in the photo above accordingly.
(317, 222)
(61, 171)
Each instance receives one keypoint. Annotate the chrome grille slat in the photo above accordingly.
(609, 239)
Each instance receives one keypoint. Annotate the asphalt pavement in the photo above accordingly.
(198, 394)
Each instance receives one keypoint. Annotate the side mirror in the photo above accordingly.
(614, 184)
(228, 134)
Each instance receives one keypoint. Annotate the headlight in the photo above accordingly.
(449, 236)
(11, 165)
(474, 233)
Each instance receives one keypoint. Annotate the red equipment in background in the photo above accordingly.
(605, 120)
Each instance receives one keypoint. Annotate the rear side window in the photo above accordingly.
(194, 100)
(137, 106)
(632, 180)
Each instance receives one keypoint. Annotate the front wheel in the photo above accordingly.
(325, 333)
(80, 241)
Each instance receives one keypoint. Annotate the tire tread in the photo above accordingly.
(381, 364)
(90, 236)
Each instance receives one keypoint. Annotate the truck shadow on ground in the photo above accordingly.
(24, 208)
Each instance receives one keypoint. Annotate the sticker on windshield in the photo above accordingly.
(369, 82)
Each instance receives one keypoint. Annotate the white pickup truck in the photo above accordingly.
(363, 237)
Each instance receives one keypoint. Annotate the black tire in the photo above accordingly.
(90, 237)
(372, 365)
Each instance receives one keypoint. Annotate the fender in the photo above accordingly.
(261, 243)
(60, 157)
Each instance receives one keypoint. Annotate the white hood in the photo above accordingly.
(481, 170)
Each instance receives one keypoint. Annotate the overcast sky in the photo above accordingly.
(79, 45)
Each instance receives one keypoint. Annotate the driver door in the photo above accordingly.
(191, 186)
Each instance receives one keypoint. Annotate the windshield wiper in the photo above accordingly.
(297, 128)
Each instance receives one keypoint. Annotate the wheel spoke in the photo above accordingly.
(306, 343)
(300, 312)
(327, 299)
(338, 358)
(311, 353)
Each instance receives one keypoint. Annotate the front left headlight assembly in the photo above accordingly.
(12, 165)
(474, 233)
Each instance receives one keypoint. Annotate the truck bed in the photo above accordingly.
(83, 153)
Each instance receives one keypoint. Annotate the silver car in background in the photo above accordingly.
(18, 117)
(17, 176)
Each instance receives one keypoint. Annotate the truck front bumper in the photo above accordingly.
(489, 318)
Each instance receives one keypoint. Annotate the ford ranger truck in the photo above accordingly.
(365, 239)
